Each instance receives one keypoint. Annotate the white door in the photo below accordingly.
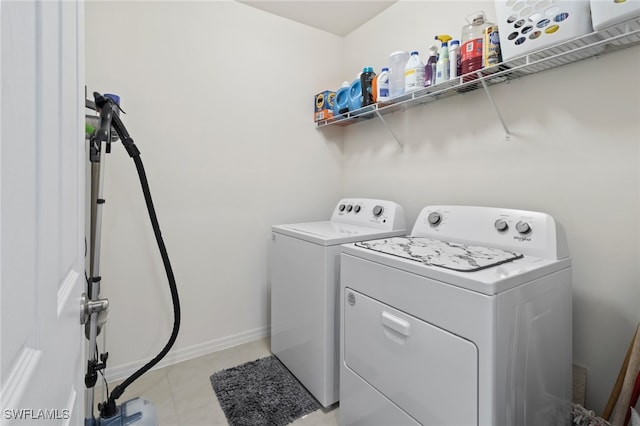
(42, 211)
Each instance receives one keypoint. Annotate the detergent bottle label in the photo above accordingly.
(471, 56)
(413, 79)
(471, 49)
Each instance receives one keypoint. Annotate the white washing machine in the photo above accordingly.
(467, 321)
(305, 269)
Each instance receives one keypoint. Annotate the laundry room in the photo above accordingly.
(218, 97)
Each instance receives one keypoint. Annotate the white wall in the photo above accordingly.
(219, 98)
(574, 153)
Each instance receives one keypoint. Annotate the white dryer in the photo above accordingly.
(467, 321)
(305, 268)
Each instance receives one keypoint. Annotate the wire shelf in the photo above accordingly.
(595, 44)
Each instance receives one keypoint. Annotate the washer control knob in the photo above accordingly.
(377, 210)
(501, 225)
(523, 227)
(356, 209)
(341, 207)
(349, 207)
(434, 218)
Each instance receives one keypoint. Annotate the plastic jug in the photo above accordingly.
(382, 86)
(397, 62)
(413, 73)
(355, 95)
(471, 48)
(341, 102)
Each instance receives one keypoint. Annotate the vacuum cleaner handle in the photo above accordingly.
(105, 107)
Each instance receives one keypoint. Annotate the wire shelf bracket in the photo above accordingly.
(384, 122)
(495, 107)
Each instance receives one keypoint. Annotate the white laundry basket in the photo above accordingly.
(605, 13)
(612, 18)
(529, 25)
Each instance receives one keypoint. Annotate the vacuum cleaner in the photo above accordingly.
(101, 132)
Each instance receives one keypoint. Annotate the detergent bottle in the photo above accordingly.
(341, 101)
(381, 91)
(442, 66)
(430, 67)
(454, 59)
(355, 95)
(471, 49)
(413, 73)
(491, 53)
(366, 78)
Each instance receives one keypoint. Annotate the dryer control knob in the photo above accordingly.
(523, 227)
(341, 207)
(356, 209)
(434, 218)
(501, 225)
(349, 207)
(377, 210)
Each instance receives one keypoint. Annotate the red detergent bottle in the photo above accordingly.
(471, 50)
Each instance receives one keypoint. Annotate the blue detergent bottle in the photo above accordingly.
(341, 102)
(355, 95)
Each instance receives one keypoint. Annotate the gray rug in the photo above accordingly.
(262, 392)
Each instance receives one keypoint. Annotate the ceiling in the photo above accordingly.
(334, 16)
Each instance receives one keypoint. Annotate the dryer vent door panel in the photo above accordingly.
(429, 373)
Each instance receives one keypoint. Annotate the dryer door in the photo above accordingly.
(429, 373)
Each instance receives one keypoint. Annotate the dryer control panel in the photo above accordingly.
(380, 214)
(527, 232)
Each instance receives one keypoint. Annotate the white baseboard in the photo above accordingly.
(119, 372)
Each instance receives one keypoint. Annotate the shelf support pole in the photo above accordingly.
(388, 128)
(495, 106)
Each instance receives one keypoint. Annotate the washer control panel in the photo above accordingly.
(528, 232)
(382, 214)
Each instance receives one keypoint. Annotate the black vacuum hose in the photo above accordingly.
(109, 409)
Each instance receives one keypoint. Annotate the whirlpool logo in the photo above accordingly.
(521, 238)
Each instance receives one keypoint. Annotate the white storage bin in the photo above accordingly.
(605, 13)
(613, 18)
(529, 25)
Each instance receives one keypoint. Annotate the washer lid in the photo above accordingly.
(490, 281)
(329, 233)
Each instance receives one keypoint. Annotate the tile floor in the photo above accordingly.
(183, 396)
